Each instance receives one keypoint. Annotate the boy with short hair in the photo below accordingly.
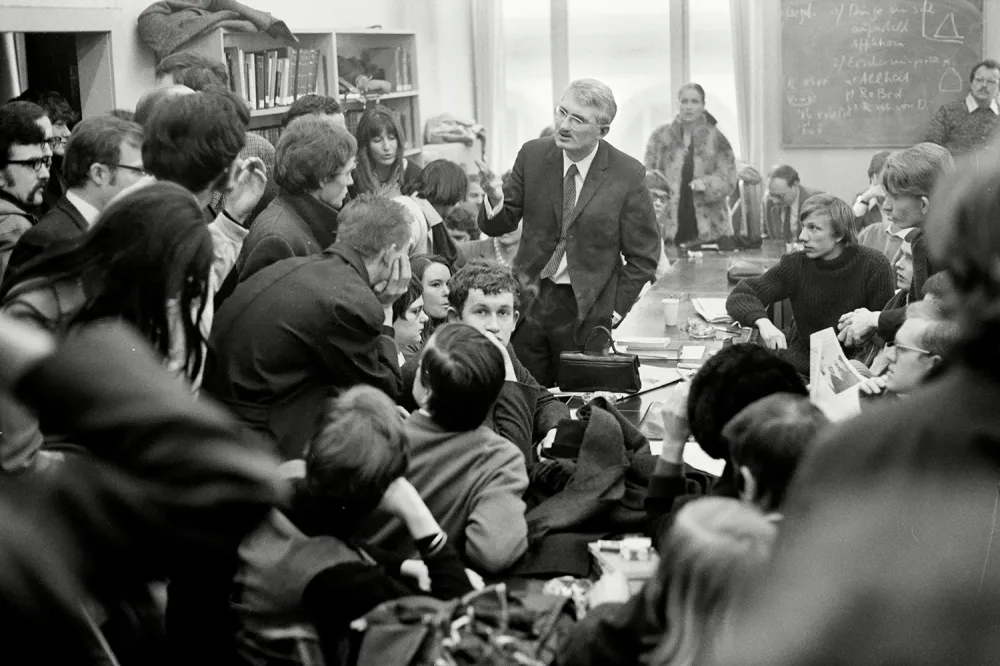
(471, 478)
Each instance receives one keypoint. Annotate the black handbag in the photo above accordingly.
(604, 370)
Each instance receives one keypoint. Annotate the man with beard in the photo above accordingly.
(25, 159)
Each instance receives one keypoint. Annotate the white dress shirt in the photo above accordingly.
(88, 212)
(971, 104)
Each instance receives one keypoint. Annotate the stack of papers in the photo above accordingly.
(712, 310)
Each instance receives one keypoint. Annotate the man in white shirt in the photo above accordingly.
(104, 156)
(966, 125)
(585, 206)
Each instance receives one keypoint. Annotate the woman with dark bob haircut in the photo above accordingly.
(146, 260)
(382, 170)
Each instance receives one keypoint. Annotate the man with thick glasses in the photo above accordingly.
(104, 156)
(586, 207)
(25, 159)
(966, 125)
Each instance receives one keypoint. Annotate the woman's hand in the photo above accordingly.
(771, 335)
(251, 179)
(673, 411)
(698, 185)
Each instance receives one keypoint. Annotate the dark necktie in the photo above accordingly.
(569, 203)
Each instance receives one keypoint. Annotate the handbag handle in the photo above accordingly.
(607, 332)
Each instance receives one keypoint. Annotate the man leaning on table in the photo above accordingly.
(585, 206)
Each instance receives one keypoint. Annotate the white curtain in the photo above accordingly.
(748, 55)
(488, 66)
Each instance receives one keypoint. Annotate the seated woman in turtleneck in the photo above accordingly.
(830, 276)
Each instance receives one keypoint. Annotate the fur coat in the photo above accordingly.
(714, 164)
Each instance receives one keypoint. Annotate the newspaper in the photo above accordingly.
(834, 384)
(712, 310)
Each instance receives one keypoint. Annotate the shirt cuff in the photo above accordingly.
(491, 213)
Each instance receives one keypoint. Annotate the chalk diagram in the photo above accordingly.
(951, 81)
(947, 30)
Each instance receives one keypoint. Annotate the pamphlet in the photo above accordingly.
(834, 384)
(712, 310)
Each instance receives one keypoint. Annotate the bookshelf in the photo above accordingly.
(388, 51)
(80, 67)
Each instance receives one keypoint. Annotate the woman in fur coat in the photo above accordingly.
(700, 170)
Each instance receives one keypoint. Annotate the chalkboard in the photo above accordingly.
(872, 73)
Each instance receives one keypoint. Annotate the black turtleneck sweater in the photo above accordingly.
(819, 290)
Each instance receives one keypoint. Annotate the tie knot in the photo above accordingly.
(572, 171)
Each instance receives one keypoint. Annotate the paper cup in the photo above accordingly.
(670, 309)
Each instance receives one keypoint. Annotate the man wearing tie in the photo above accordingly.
(585, 207)
(785, 196)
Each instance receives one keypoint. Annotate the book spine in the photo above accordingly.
(313, 71)
(252, 78)
(284, 71)
(294, 85)
(261, 58)
(241, 58)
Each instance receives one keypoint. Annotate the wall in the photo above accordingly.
(839, 171)
(444, 44)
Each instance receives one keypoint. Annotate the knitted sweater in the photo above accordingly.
(960, 131)
(820, 291)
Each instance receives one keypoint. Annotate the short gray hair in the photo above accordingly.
(596, 95)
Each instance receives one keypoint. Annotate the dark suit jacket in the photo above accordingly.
(291, 226)
(62, 223)
(613, 218)
(774, 216)
(293, 334)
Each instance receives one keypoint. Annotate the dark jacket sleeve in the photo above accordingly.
(445, 246)
(266, 251)
(359, 348)
(176, 483)
(640, 243)
(337, 596)
(748, 299)
(614, 634)
(548, 409)
(507, 219)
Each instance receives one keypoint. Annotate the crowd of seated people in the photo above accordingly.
(250, 393)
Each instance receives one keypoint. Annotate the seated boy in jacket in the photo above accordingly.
(485, 295)
(471, 478)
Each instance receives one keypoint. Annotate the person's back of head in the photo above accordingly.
(310, 153)
(190, 69)
(965, 239)
(487, 276)
(192, 140)
(877, 163)
(358, 450)
(146, 249)
(714, 548)
(98, 141)
(463, 219)
(729, 381)
(312, 105)
(147, 103)
(460, 375)
(916, 170)
(372, 226)
(767, 441)
(443, 183)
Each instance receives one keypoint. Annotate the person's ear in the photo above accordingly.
(604, 130)
(749, 492)
(453, 314)
(100, 174)
(925, 205)
(517, 315)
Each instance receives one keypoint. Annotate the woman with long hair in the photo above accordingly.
(699, 167)
(715, 546)
(381, 167)
(147, 261)
(434, 272)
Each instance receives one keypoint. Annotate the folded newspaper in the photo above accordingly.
(713, 310)
(834, 384)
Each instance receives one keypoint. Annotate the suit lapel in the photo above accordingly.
(592, 183)
(74, 214)
(555, 175)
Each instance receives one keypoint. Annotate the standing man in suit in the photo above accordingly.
(785, 196)
(104, 156)
(585, 206)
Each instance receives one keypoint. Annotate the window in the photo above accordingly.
(710, 51)
(528, 71)
(623, 43)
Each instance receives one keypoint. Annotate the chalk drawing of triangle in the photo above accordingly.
(951, 81)
(948, 29)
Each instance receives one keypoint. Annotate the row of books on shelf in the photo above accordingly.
(275, 77)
